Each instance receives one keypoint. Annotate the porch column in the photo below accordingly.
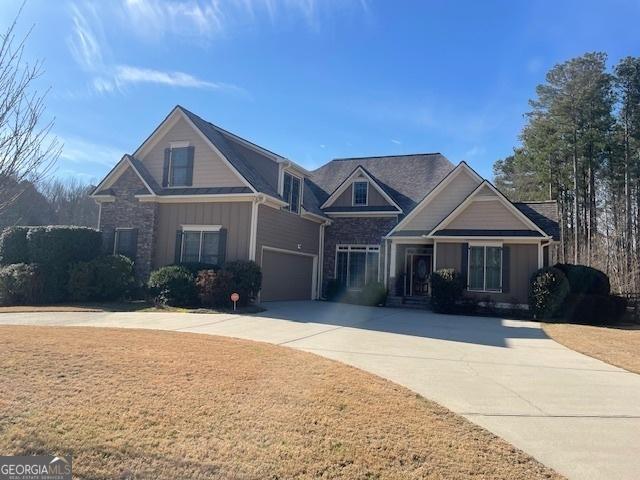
(435, 256)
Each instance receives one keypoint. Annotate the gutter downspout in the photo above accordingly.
(253, 234)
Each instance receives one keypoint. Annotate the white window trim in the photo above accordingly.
(300, 193)
(484, 246)
(197, 228)
(353, 194)
(115, 237)
(356, 248)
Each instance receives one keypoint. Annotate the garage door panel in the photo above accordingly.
(286, 276)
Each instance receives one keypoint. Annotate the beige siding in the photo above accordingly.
(523, 262)
(209, 169)
(286, 276)
(285, 230)
(444, 203)
(492, 215)
(234, 216)
(346, 198)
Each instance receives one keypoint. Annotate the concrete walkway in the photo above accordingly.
(575, 414)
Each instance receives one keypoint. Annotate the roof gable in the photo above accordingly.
(125, 163)
(486, 208)
(358, 174)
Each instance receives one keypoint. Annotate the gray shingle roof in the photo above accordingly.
(405, 178)
(368, 208)
(466, 232)
(543, 214)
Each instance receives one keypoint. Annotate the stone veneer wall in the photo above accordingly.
(353, 231)
(128, 212)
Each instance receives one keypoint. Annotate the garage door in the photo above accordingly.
(286, 276)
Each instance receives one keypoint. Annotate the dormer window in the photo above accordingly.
(360, 193)
(178, 166)
(291, 192)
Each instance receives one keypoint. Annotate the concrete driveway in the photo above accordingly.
(575, 414)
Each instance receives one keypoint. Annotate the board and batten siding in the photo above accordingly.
(523, 259)
(346, 198)
(209, 169)
(285, 230)
(235, 217)
(491, 214)
(444, 202)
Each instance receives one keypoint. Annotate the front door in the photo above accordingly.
(419, 275)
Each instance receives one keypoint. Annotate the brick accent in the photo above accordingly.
(352, 231)
(128, 212)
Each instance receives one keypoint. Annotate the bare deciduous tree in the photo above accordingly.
(27, 148)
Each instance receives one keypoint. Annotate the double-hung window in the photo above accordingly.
(360, 191)
(357, 265)
(125, 242)
(179, 167)
(485, 268)
(291, 188)
(201, 244)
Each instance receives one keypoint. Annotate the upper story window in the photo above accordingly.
(360, 191)
(291, 192)
(178, 166)
(485, 268)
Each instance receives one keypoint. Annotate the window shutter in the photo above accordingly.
(190, 155)
(464, 262)
(222, 247)
(178, 247)
(165, 167)
(133, 245)
(506, 268)
(108, 239)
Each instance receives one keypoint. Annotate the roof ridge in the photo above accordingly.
(534, 201)
(386, 156)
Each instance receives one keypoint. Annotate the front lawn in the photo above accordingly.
(617, 345)
(124, 306)
(153, 404)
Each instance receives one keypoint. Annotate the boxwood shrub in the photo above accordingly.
(109, 277)
(246, 279)
(594, 309)
(447, 286)
(174, 286)
(13, 246)
(548, 290)
(584, 280)
(373, 294)
(336, 290)
(215, 288)
(21, 284)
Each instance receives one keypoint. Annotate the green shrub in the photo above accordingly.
(548, 289)
(174, 286)
(246, 279)
(447, 286)
(13, 246)
(594, 309)
(585, 280)
(373, 294)
(215, 288)
(55, 249)
(109, 277)
(21, 284)
(336, 290)
(197, 267)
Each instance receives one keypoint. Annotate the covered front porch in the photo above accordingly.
(410, 262)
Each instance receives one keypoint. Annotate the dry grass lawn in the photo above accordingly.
(163, 405)
(619, 346)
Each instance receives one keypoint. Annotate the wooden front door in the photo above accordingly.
(419, 275)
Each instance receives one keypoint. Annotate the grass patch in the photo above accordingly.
(617, 345)
(166, 405)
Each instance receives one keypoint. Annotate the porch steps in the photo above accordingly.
(421, 303)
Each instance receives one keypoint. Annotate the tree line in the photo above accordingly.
(580, 145)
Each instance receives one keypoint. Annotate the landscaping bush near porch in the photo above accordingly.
(373, 294)
(447, 286)
(109, 277)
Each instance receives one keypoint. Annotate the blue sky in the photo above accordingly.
(311, 80)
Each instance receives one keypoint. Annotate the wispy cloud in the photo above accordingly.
(88, 46)
(78, 151)
(396, 141)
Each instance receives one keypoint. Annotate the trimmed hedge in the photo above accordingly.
(585, 280)
(373, 294)
(336, 290)
(109, 277)
(13, 246)
(215, 288)
(447, 286)
(174, 286)
(548, 290)
(594, 309)
(21, 284)
(246, 279)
